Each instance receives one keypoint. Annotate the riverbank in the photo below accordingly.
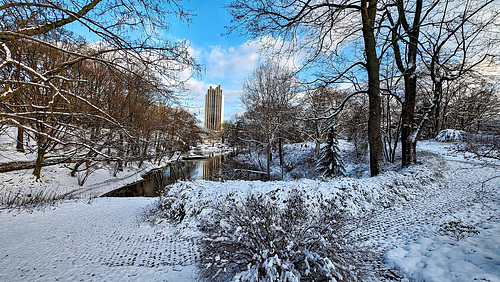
(20, 187)
(108, 238)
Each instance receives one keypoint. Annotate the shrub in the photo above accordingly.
(36, 199)
(255, 240)
(481, 146)
(166, 209)
(448, 135)
(457, 230)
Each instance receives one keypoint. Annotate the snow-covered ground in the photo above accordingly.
(56, 180)
(108, 239)
(104, 240)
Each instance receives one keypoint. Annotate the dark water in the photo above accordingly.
(155, 181)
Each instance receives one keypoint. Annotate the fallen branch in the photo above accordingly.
(19, 165)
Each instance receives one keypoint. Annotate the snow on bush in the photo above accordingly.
(457, 230)
(480, 146)
(256, 240)
(235, 215)
(451, 135)
(187, 201)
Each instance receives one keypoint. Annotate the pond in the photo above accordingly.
(156, 180)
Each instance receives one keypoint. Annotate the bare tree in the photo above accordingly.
(44, 99)
(405, 31)
(268, 96)
(469, 102)
(319, 102)
(463, 44)
(322, 28)
(442, 33)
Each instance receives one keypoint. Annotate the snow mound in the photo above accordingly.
(448, 135)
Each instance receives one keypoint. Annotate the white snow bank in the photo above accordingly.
(473, 201)
(101, 241)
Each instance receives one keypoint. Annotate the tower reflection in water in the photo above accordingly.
(211, 168)
(205, 169)
(156, 181)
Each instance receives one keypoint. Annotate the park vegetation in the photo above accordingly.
(381, 72)
(111, 100)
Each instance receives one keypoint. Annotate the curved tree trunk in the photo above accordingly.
(38, 163)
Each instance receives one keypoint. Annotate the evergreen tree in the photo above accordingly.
(329, 163)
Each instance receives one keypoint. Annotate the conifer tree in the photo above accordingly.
(330, 163)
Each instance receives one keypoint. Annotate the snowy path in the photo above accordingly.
(98, 241)
(411, 220)
(408, 233)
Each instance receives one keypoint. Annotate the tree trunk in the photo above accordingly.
(368, 12)
(75, 168)
(409, 136)
(144, 155)
(38, 163)
(408, 139)
(438, 90)
(281, 155)
(120, 152)
(20, 139)
(268, 161)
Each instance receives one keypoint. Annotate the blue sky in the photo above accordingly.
(226, 60)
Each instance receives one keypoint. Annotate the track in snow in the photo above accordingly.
(411, 220)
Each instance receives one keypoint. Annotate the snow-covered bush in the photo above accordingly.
(448, 135)
(167, 208)
(481, 146)
(187, 202)
(256, 240)
(457, 230)
(233, 215)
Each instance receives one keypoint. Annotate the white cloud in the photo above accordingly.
(234, 62)
(196, 86)
(228, 67)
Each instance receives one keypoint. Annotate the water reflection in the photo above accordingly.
(211, 168)
(154, 182)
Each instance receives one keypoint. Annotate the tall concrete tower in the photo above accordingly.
(214, 108)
